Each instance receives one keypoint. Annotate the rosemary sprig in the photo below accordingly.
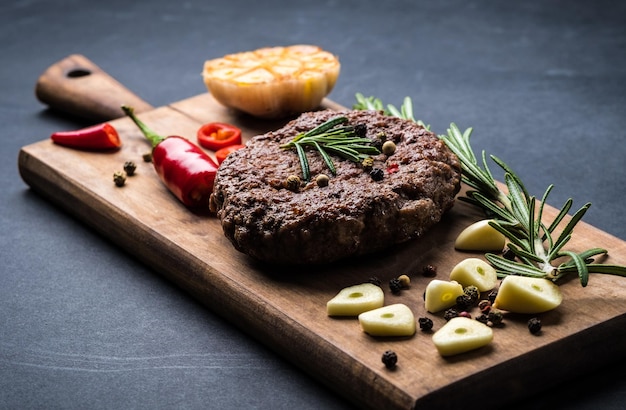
(332, 137)
(515, 213)
(375, 104)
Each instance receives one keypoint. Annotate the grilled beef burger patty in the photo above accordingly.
(354, 214)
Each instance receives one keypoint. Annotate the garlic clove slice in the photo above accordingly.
(476, 272)
(480, 236)
(353, 300)
(460, 335)
(391, 320)
(522, 294)
(441, 294)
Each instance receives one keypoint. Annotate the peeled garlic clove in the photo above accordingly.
(522, 294)
(273, 82)
(392, 320)
(477, 272)
(460, 335)
(353, 300)
(441, 295)
(480, 236)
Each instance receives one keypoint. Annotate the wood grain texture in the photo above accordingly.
(284, 307)
(77, 86)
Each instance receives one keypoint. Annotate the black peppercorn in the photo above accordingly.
(450, 314)
(429, 271)
(377, 174)
(395, 285)
(360, 130)
(374, 281)
(492, 296)
(147, 157)
(464, 302)
(534, 325)
(425, 323)
(129, 168)
(508, 254)
(390, 358)
(378, 141)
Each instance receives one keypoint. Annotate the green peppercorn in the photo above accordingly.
(322, 180)
(495, 317)
(367, 163)
(390, 359)
(292, 183)
(425, 323)
(389, 148)
(119, 178)
(473, 293)
(534, 325)
(129, 168)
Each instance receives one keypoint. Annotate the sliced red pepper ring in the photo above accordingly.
(221, 154)
(217, 135)
(98, 137)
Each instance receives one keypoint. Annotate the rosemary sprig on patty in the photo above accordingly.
(535, 245)
(332, 137)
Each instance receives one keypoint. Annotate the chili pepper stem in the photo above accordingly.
(150, 135)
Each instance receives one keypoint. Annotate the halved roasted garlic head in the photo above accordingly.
(273, 82)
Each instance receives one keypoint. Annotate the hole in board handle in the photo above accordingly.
(78, 72)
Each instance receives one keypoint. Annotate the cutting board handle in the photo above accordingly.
(77, 86)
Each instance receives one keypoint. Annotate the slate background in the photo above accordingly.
(83, 325)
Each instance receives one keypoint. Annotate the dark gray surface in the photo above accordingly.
(83, 325)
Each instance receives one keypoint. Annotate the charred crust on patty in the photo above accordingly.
(353, 214)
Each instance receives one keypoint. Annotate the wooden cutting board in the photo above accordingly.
(284, 307)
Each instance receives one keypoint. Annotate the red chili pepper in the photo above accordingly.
(98, 137)
(218, 135)
(221, 154)
(182, 166)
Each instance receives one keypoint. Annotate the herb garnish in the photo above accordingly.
(375, 104)
(515, 213)
(332, 137)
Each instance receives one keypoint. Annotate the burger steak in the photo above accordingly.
(355, 213)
